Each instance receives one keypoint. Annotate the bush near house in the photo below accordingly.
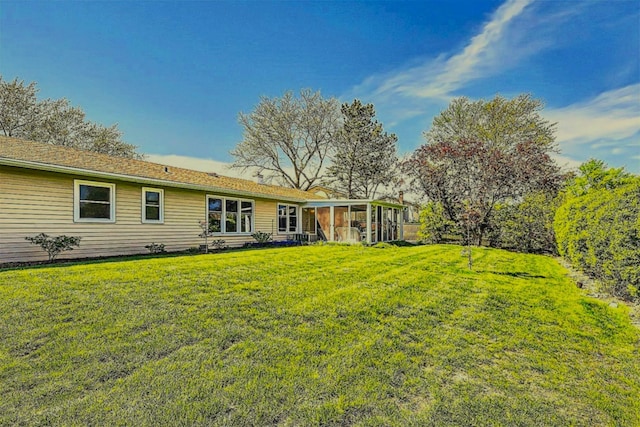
(261, 237)
(156, 248)
(218, 244)
(599, 232)
(53, 246)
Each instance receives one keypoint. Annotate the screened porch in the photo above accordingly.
(352, 221)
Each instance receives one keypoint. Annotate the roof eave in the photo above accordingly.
(139, 180)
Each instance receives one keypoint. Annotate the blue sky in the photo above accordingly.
(175, 75)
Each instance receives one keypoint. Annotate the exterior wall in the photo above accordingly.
(33, 202)
(411, 232)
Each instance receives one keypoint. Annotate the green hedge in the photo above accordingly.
(599, 232)
(527, 226)
(434, 225)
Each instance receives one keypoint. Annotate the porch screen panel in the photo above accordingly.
(394, 224)
(309, 220)
(375, 227)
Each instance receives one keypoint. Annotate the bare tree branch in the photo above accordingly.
(289, 137)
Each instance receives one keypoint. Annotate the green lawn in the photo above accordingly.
(322, 335)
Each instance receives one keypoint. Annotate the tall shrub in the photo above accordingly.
(599, 232)
(526, 226)
(434, 224)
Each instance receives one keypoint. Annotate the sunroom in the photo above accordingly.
(352, 221)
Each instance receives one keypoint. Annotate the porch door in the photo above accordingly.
(309, 225)
(323, 223)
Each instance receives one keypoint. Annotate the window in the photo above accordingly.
(94, 201)
(215, 215)
(229, 216)
(231, 209)
(152, 205)
(287, 218)
(246, 216)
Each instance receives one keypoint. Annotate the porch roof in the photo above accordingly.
(350, 202)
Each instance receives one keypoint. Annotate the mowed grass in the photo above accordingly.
(331, 335)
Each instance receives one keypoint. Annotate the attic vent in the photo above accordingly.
(166, 169)
(213, 174)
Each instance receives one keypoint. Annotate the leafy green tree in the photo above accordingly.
(597, 226)
(55, 122)
(594, 174)
(499, 122)
(288, 139)
(364, 156)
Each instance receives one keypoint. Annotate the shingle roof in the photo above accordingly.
(37, 155)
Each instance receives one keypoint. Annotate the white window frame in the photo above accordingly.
(298, 218)
(76, 201)
(223, 220)
(146, 190)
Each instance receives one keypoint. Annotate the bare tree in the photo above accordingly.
(19, 107)
(287, 139)
(55, 122)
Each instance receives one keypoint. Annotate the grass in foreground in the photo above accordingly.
(314, 336)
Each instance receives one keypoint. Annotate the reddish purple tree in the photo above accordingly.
(472, 175)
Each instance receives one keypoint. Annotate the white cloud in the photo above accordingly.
(566, 163)
(483, 56)
(210, 165)
(606, 127)
(612, 115)
(195, 163)
(486, 54)
(425, 87)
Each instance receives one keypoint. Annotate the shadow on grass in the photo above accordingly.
(135, 257)
(121, 258)
(521, 274)
(92, 260)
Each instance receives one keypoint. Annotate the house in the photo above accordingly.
(118, 205)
